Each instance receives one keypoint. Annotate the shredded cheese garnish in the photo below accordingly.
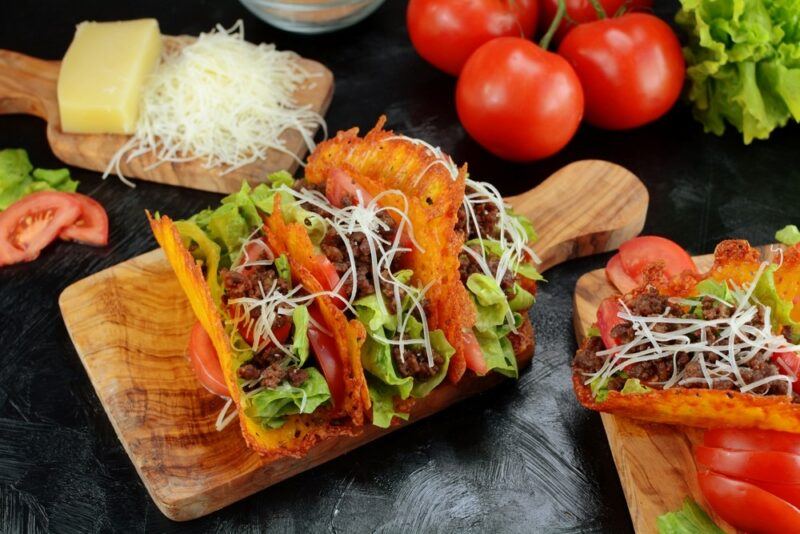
(222, 100)
(736, 344)
(224, 420)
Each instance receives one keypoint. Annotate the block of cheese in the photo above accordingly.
(103, 73)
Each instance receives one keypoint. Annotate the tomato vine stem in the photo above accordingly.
(560, 12)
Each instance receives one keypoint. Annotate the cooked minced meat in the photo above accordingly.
(650, 303)
(269, 366)
(469, 265)
(487, 215)
(414, 362)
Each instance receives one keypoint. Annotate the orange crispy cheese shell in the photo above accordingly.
(382, 160)
(293, 240)
(300, 432)
(733, 260)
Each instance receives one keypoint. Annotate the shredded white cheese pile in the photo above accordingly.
(737, 343)
(220, 99)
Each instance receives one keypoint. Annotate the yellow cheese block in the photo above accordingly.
(103, 73)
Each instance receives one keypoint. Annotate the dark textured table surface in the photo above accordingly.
(523, 457)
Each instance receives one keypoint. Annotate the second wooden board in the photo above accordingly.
(28, 86)
(655, 462)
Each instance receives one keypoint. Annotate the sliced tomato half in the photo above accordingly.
(750, 439)
(339, 185)
(607, 319)
(640, 252)
(32, 223)
(205, 362)
(473, 355)
(616, 274)
(754, 466)
(748, 507)
(325, 350)
(91, 228)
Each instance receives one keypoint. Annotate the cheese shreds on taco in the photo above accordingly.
(711, 350)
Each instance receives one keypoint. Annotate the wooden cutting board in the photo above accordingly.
(28, 86)
(655, 462)
(130, 326)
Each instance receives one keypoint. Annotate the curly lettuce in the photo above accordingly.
(18, 178)
(743, 61)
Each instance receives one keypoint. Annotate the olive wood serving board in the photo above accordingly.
(655, 462)
(28, 86)
(130, 326)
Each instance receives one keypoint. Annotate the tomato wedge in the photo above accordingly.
(639, 252)
(205, 362)
(473, 355)
(748, 507)
(324, 347)
(748, 439)
(616, 274)
(789, 365)
(32, 223)
(91, 228)
(607, 319)
(754, 466)
(340, 185)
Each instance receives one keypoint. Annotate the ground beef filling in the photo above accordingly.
(468, 265)
(651, 303)
(414, 362)
(268, 366)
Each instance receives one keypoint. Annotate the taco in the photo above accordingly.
(475, 251)
(717, 349)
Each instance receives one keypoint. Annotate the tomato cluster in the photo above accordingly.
(751, 478)
(522, 102)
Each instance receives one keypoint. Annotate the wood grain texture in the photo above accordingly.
(130, 326)
(28, 86)
(655, 462)
(584, 208)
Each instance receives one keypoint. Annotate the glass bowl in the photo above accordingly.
(311, 16)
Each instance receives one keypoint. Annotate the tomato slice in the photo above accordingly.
(789, 365)
(616, 274)
(748, 507)
(749, 439)
(205, 362)
(473, 355)
(340, 185)
(32, 223)
(246, 330)
(753, 466)
(91, 228)
(639, 252)
(607, 319)
(324, 347)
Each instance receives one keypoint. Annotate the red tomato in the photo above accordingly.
(340, 184)
(519, 101)
(750, 439)
(616, 274)
(580, 11)
(205, 362)
(473, 355)
(748, 507)
(91, 228)
(324, 347)
(325, 273)
(639, 252)
(446, 32)
(631, 69)
(753, 466)
(607, 319)
(32, 223)
(789, 365)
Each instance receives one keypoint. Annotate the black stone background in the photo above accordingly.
(521, 458)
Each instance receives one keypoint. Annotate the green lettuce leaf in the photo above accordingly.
(494, 247)
(271, 406)
(382, 396)
(691, 519)
(743, 63)
(439, 344)
(788, 235)
(490, 301)
(207, 251)
(767, 294)
(526, 224)
(376, 357)
(634, 387)
(522, 300)
(593, 331)
(18, 178)
(282, 266)
(300, 319)
(498, 352)
(714, 288)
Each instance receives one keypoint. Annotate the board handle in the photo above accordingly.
(585, 208)
(28, 85)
